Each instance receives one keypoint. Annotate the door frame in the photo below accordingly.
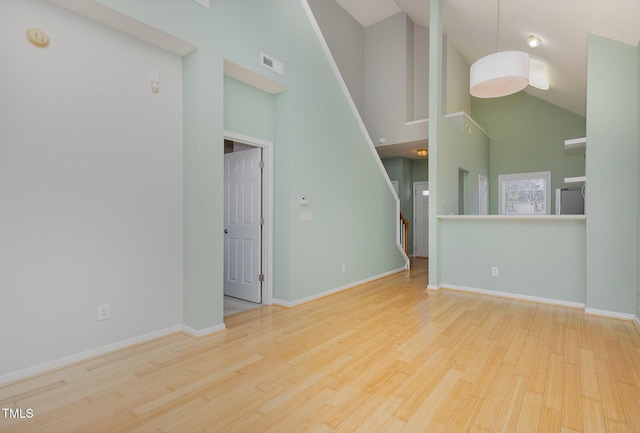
(415, 232)
(267, 208)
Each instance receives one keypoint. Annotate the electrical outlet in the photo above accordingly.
(344, 267)
(494, 271)
(103, 312)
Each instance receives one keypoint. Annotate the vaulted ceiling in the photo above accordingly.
(563, 26)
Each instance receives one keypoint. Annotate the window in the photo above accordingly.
(525, 193)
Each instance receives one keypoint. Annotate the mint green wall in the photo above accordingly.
(542, 258)
(420, 170)
(594, 262)
(352, 205)
(527, 135)
(248, 110)
(203, 192)
(461, 150)
(538, 258)
(612, 175)
(463, 249)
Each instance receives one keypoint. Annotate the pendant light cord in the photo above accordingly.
(498, 29)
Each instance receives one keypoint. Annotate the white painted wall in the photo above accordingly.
(457, 95)
(420, 72)
(90, 187)
(388, 54)
(345, 38)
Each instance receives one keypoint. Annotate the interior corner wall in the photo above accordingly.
(612, 175)
(91, 186)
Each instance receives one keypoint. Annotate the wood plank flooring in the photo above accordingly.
(387, 356)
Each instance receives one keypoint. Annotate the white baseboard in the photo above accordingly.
(82, 356)
(202, 332)
(61, 362)
(511, 295)
(611, 314)
(558, 302)
(434, 288)
(290, 304)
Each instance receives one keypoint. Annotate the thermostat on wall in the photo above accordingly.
(37, 37)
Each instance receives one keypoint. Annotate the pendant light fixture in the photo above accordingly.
(501, 73)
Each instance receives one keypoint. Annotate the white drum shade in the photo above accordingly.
(499, 74)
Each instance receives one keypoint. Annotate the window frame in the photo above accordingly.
(546, 175)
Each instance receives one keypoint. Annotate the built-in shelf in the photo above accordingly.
(575, 143)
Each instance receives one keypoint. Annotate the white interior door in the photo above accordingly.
(483, 195)
(242, 213)
(421, 219)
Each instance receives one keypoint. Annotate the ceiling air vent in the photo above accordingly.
(271, 63)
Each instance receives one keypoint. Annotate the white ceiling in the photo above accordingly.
(562, 25)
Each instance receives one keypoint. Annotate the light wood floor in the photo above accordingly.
(387, 356)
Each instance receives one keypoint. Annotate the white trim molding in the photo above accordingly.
(82, 356)
(202, 332)
(516, 296)
(92, 353)
(557, 302)
(610, 314)
(290, 304)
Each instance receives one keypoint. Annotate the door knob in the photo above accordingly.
(226, 231)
